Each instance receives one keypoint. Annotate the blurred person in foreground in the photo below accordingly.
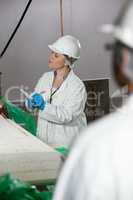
(100, 166)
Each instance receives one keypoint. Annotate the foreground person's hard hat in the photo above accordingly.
(122, 29)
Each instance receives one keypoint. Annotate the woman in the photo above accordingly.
(61, 115)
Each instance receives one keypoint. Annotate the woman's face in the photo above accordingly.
(56, 61)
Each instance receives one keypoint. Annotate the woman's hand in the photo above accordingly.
(35, 101)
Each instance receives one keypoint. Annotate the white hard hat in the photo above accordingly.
(123, 28)
(67, 45)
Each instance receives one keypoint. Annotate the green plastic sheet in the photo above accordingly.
(14, 189)
(21, 117)
(63, 150)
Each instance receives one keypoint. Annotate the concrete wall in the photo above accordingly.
(27, 56)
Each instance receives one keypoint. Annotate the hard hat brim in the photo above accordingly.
(52, 48)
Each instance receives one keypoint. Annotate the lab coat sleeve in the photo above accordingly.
(62, 114)
(89, 172)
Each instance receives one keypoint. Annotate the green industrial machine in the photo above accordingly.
(14, 188)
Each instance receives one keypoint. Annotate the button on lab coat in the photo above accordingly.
(100, 166)
(62, 120)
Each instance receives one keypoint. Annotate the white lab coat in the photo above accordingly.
(62, 120)
(100, 166)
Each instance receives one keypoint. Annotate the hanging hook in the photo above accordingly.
(61, 17)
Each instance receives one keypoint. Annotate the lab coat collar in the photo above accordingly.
(65, 82)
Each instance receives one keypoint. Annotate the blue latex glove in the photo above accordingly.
(36, 101)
